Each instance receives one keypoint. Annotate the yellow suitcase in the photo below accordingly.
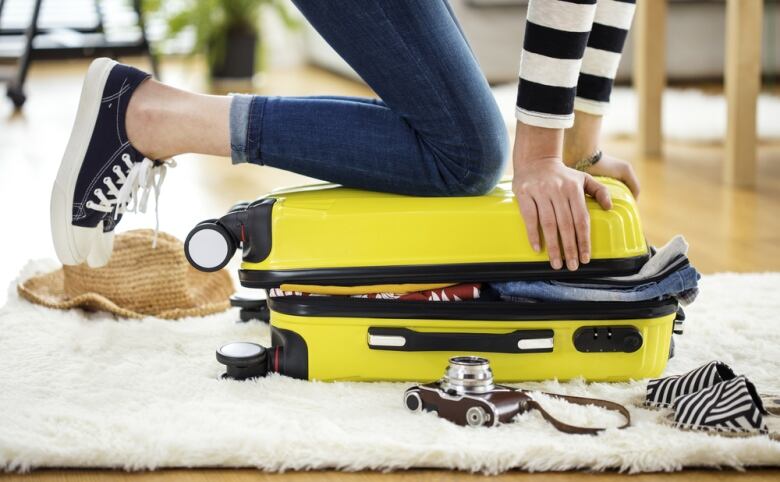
(330, 235)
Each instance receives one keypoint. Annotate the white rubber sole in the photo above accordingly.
(74, 244)
(101, 249)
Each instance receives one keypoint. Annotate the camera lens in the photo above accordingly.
(468, 374)
(469, 361)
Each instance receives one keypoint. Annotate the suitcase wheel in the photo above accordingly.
(209, 246)
(243, 360)
(251, 309)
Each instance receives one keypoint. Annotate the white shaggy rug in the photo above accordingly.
(688, 114)
(82, 390)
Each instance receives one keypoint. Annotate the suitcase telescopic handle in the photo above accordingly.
(404, 339)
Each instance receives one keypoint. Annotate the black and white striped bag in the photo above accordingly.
(729, 406)
(662, 392)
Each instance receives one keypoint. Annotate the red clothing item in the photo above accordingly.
(464, 291)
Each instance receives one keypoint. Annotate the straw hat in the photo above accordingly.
(138, 281)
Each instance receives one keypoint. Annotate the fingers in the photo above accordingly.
(631, 180)
(581, 218)
(598, 191)
(549, 225)
(563, 215)
(531, 219)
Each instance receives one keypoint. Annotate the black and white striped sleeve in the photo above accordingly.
(556, 35)
(602, 55)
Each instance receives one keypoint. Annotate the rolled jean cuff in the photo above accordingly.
(245, 117)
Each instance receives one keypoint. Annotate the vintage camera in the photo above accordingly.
(466, 395)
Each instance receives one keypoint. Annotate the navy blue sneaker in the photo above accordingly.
(100, 173)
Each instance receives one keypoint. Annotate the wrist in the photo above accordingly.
(585, 163)
(534, 143)
(573, 154)
(524, 167)
(581, 141)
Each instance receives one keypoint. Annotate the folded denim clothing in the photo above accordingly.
(679, 282)
(663, 260)
(667, 273)
(688, 296)
(458, 292)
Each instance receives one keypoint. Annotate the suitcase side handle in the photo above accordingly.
(404, 339)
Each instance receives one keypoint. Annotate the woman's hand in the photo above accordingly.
(551, 195)
(619, 169)
(582, 140)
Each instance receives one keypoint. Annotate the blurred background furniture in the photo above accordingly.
(729, 229)
(495, 28)
(680, 41)
(743, 83)
(33, 29)
(742, 75)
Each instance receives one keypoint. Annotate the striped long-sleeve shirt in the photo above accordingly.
(570, 57)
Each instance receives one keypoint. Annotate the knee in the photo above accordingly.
(483, 163)
(493, 157)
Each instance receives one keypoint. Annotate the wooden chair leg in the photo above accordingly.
(650, 73)
(743, 83)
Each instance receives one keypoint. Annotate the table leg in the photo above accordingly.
(650, 73)
(743, 83)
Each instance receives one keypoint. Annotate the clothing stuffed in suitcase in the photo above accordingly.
(330, 235)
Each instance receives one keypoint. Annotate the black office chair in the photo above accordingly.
(92, 42)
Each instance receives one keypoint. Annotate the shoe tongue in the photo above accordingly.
(135, 154)
(723, 372)
(754, 395)
(129, 78)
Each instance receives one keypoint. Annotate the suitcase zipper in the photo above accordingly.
(470, 310)
(438, 273)
(677, 263)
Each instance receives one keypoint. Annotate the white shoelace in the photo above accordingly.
(141, 178)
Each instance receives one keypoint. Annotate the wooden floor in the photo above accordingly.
(248, 475)
(728, 229)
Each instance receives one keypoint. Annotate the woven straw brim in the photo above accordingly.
(138, 281)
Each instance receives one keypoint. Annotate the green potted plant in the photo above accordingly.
(227, 31)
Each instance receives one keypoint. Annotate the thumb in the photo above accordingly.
(598, 191)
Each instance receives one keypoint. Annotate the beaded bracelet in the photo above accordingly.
(584, 164)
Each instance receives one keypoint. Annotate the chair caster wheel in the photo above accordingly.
(17, 96)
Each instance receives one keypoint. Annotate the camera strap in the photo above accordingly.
(573, 429)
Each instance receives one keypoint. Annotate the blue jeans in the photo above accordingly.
(436, 132)
(677, 284)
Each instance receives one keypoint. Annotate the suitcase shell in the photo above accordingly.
(330, 235)
(326, 234)
(370, 340)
